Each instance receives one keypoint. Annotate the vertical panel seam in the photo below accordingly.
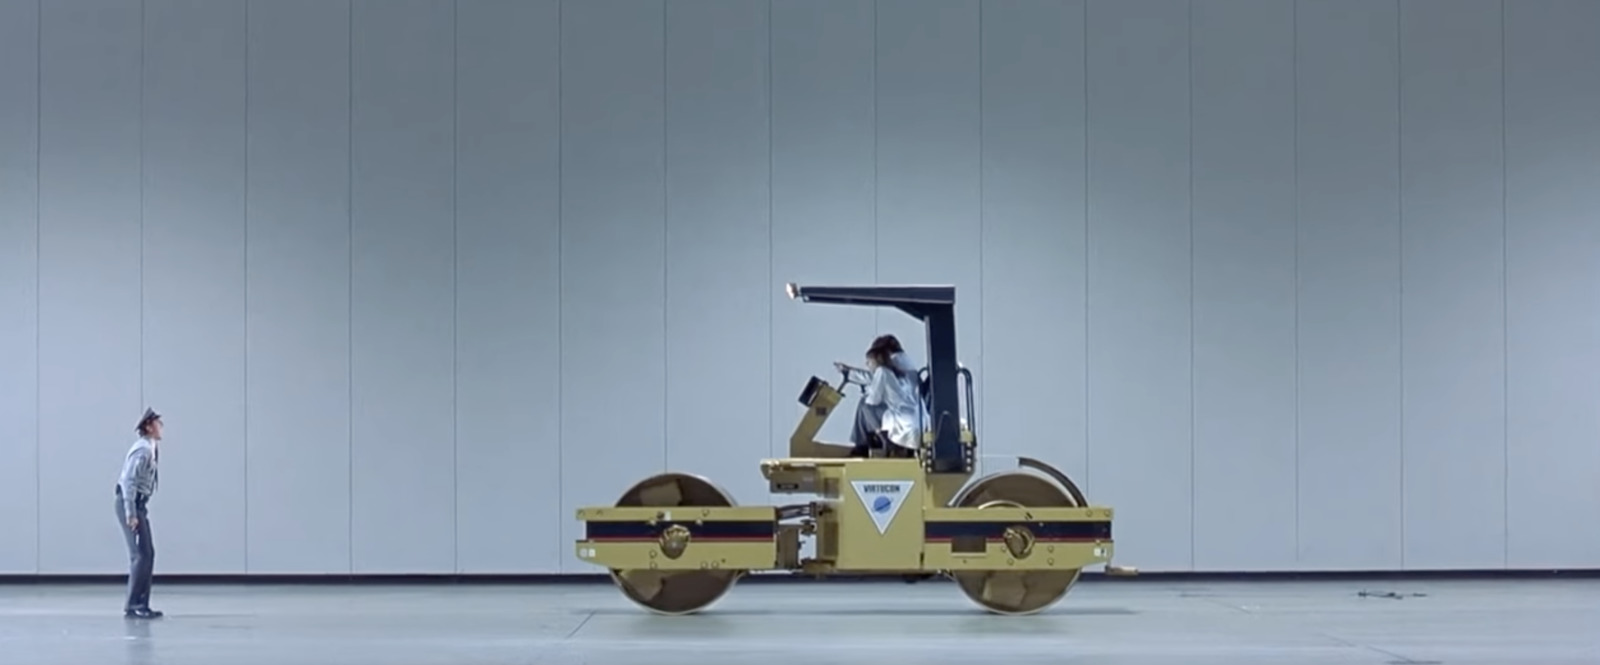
(983, 312)
(142, 41)
(771, 277)
(38, 300)
(1191, 290)
(350, 300)
(1400, 240)
(455, 284)
(561, 485)
(246, 265)
(1504, 317)
(877, 320)
(666, 291)
(1083, 43)
(1294, 58)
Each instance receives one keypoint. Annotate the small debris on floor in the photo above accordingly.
(1389, 594)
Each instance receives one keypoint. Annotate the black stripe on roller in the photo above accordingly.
(1064, 531)
(751, 530)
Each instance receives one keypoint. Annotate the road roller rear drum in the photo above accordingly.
(1015, 542)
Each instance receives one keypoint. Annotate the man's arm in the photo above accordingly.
(854, 374)
(877, 389)
(861, 376)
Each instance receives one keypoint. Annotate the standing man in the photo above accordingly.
(134, 488)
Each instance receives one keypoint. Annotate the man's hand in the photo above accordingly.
(133, 523)
(841, 366)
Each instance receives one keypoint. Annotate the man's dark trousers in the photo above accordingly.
(141, 554)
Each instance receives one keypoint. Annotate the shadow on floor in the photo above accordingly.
(861, 612)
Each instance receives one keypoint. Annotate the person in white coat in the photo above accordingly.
(890, 410)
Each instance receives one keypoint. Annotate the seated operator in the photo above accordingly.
(890, 406)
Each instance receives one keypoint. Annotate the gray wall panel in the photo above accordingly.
(929, 202)
(19, 285)
(613, 314)
(1139, 275)
(1278, 281)
(1349, 284)
(720, 293)
(508, 288)
(1552, 131)
(1244, 294)
(1453, 284)
(194, 274)
(1033, 252)
(823, 220)
(403, 287)
(298, 288)
(89, 239)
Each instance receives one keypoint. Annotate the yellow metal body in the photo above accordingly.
(664, 552)
(887, 516)
(848, 540)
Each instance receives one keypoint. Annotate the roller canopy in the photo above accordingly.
(918, 301)
(934, 306)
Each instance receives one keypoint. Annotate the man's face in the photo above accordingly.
(155, 429)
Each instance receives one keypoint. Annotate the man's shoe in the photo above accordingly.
(142, 613)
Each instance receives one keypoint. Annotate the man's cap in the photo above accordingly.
(149, 415)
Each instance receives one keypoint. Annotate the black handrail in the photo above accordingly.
(970, 409)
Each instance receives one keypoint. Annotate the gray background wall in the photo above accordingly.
(1292, 285)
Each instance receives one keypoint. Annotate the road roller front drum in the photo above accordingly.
(675, 592)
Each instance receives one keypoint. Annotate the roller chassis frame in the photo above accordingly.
(1015, 541)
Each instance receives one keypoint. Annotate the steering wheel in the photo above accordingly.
(845, 382)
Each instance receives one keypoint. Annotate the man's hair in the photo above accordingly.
(886, 344)
(883, 349)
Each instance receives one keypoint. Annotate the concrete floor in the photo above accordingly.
(1138, 622)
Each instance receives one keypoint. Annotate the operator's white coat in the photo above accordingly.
(904, 414)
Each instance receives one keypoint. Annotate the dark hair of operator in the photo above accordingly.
(882, 351)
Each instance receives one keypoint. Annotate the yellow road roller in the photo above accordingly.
(1014, 541)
